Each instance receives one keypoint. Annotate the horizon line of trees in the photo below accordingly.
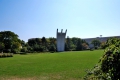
(9, 42)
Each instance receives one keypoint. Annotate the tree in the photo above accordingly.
(83, 41)
(75, 43)
(79, 45)
(103, 45)
(16, 47)
(66, 47)
(68, 44)
(44, 43)
(2, 46)
(74, 40)
(24, 49)
(52, 48)
(109, 64)
(52, 40)
(33, 41)
(29, 48)
(51, 44)
(23, 44)
(112, 41)
(84, 46)
(73, 47)
(8, 38)
(36, 47)
(43, 40)
(96, 43)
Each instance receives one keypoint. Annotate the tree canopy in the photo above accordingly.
(10, 40)
(96, 43)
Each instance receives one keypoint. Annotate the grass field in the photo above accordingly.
(48, 66)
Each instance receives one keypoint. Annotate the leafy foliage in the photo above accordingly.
(9, 41)
(96, 43)
(48, 44)
(79, 44)
(2, 46)
(84, 46)
(24, 49)
(103, 45)
(52, 48)
(75, 44)
(109, 64)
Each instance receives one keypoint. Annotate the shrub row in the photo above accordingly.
(6, 55)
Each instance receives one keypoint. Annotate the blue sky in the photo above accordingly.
(81, 18)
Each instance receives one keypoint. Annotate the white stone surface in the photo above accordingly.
(61, 40)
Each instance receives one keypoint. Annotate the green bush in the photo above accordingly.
(23, 53)
(108, 67)
(6, 55)
(52, 48)
(24, 49)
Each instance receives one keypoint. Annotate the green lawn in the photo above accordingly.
(48, 66)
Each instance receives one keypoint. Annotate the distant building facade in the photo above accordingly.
(101, 39)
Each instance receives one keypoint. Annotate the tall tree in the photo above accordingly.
(8, 38)
(44, 43)
(74, 40)
(69, 44)
(51, 43)
(112, 41)
(52, 48)
(43, 40)
(23, 44)
(96, 43)
(2, 46)
(52, 40)
(84, 46)
(16, 46)
(79, 45)
(103, 45)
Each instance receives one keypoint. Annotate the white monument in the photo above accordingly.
(61, 40)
